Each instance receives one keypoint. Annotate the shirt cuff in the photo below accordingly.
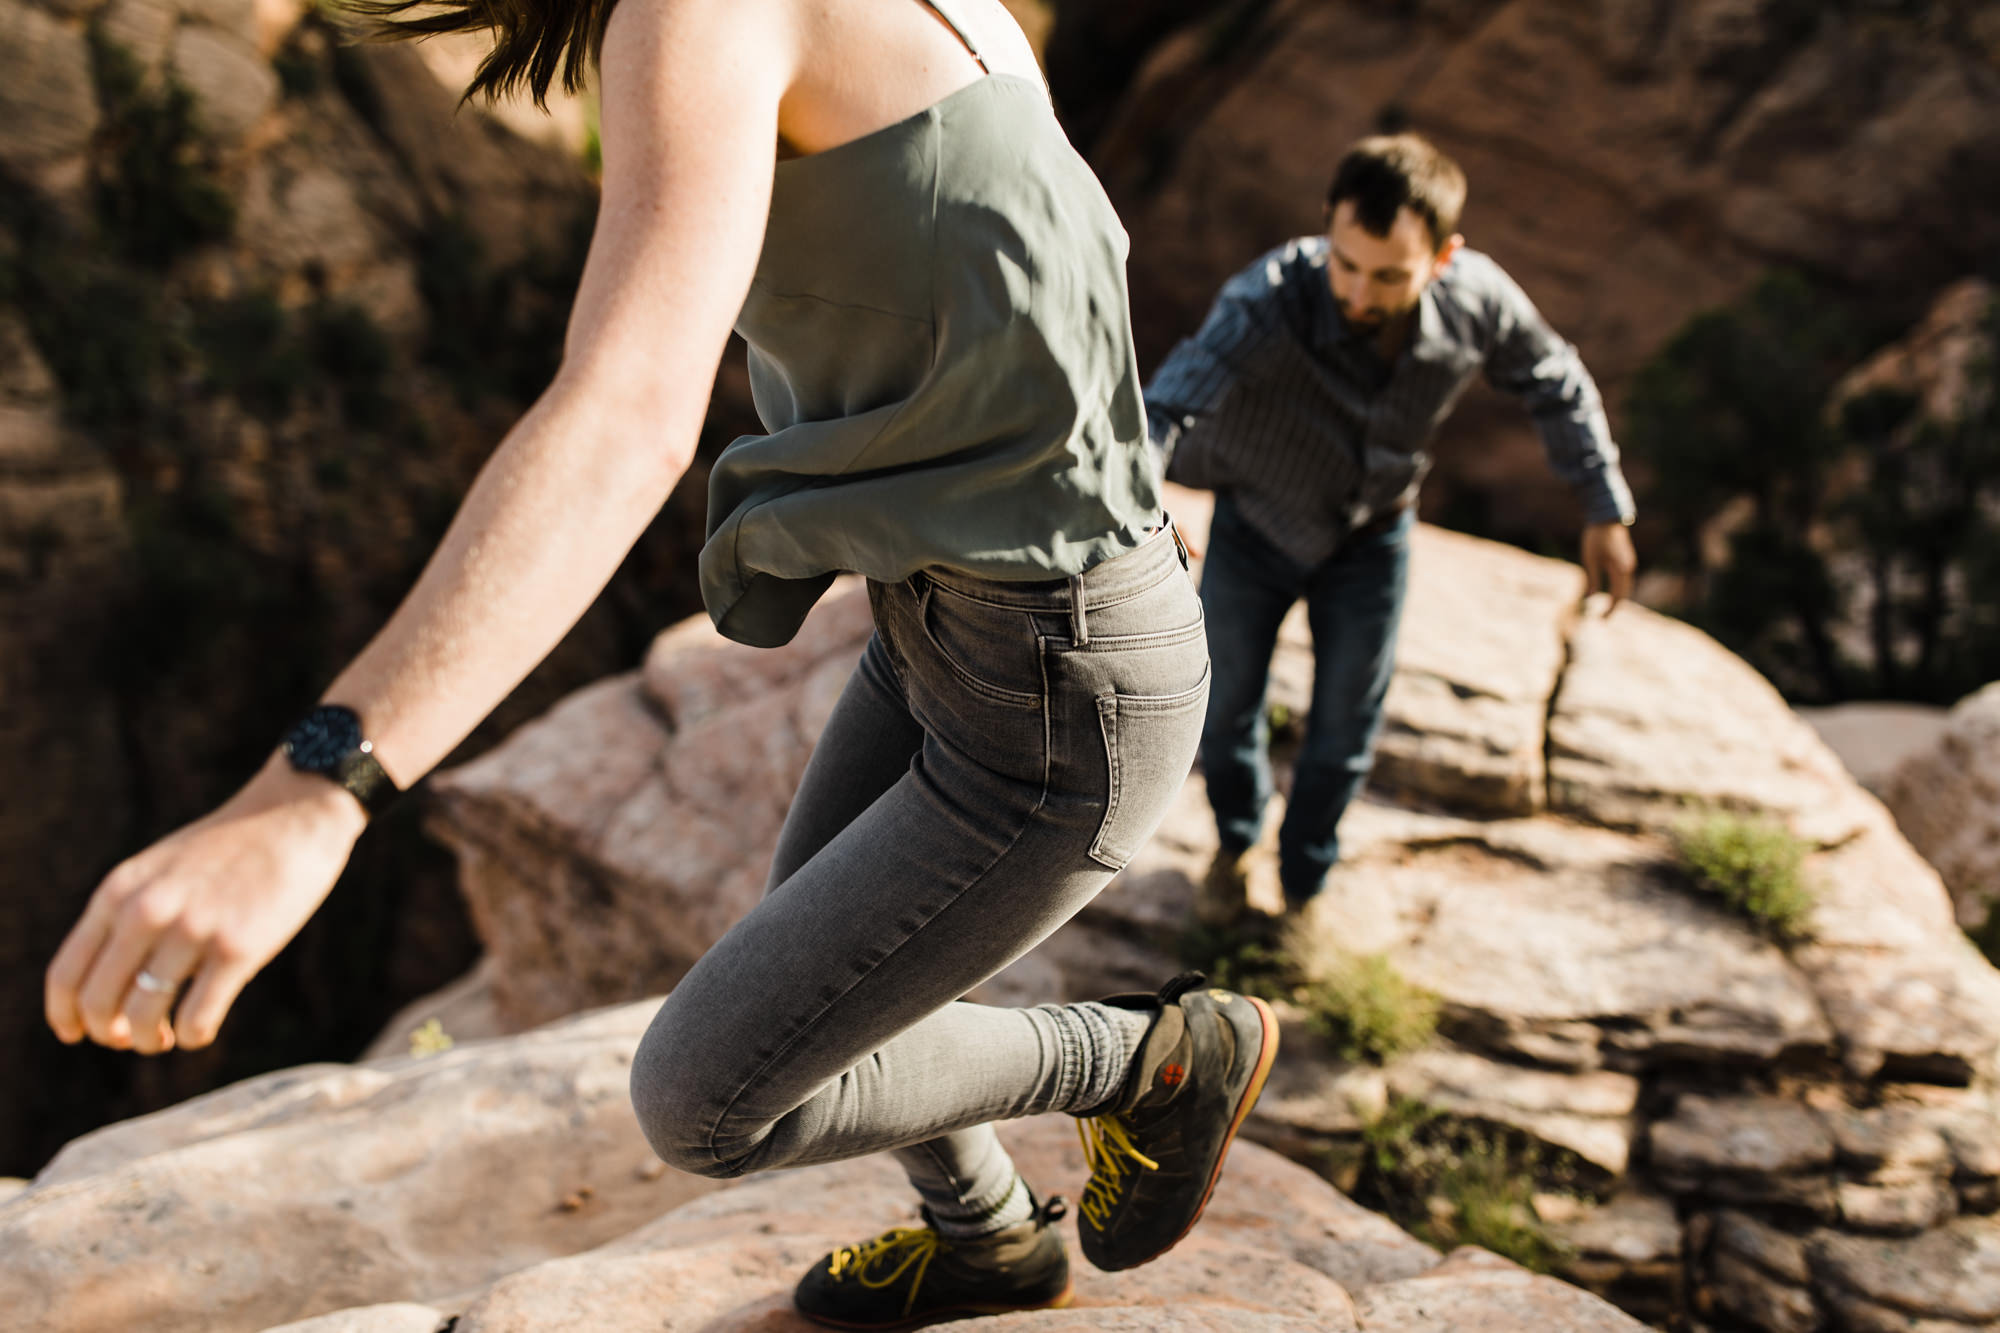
(1608, 500)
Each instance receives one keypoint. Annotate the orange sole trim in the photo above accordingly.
(1265, 1059)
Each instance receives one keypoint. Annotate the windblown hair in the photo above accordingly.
(532, 39)
(1391, 172)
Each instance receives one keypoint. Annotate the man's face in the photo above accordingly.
(1377, 278)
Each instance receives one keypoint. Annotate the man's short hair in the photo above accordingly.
(1390, 172)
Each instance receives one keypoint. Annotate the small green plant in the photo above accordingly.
(1455, 1182)
(1369, 1010)
(1754, 864)
(430, 1039)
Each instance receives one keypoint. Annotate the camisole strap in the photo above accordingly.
(952, 21)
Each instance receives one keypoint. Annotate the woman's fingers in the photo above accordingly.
(222, 978)
(137, 928)
(154, 988)
(171, 937)
(67, 970)
(76, 961)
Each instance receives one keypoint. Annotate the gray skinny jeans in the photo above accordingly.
(1001, 750)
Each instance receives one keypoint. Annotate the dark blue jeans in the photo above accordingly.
(1354, 601)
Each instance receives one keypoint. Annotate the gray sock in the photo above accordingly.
(1098, 1042)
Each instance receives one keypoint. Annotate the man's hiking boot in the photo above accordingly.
(1223, 896)
(911, 1276)
(1156, 1151)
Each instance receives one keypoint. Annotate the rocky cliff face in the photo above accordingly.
(1632, 162)
(1776, 1129)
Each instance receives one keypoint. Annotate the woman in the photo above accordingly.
(932, 286)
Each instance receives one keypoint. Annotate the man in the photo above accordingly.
(1305, 402)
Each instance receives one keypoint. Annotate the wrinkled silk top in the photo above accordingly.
(941, 352)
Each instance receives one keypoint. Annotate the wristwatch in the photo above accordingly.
(327, 742)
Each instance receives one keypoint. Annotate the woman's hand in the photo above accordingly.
(207, 906)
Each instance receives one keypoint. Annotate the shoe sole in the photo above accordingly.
(1059, 1302)
(1251, 1092)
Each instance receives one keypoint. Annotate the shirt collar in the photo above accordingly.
(1430, 340)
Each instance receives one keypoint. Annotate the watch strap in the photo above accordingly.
(363, 775)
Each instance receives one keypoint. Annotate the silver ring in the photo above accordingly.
(148, 982)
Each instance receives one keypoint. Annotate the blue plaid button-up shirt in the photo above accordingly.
(1277, 401)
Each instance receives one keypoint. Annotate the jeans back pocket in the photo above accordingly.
(1149, 747)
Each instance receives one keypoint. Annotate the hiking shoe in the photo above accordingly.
(1156, 1152)
(1223, 896)
(910, 1276)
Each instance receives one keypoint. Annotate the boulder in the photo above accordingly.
(233, 86)
(516, 204)
(1764, 1150)
(1476, 1290)
(48, 110)
(326, 1186)
(1952, 1273)
(1481, 650)
(1946, 799)
(396, 1317)
(366, 1199)
(606, 846)
(1589, 1114)
(728, 1263)
(1761, 1300)
(143, 30)
(1655, 718)
(1625, 969)
(1628, 1250)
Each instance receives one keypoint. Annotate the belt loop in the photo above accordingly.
(1179, 545)
(1079, 627)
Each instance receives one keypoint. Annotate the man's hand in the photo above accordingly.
(207, 907)
(1609, 561)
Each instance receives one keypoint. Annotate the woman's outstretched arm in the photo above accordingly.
(691, 91)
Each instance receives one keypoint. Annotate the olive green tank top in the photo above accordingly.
(941, 352)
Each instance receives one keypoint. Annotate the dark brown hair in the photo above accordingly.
(532, 39)
(1391, 172)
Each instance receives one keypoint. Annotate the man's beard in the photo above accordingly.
(1372, 320)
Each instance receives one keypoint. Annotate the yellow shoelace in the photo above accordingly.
(1109, 1152)
(919, 1244)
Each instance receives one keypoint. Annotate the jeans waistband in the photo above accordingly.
(1104, 584)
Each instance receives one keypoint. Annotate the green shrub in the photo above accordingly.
(1754, 864)
(1369, 1010)
(1454, 1182)
(249, 353)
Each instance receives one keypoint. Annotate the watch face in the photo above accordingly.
(323, 738)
